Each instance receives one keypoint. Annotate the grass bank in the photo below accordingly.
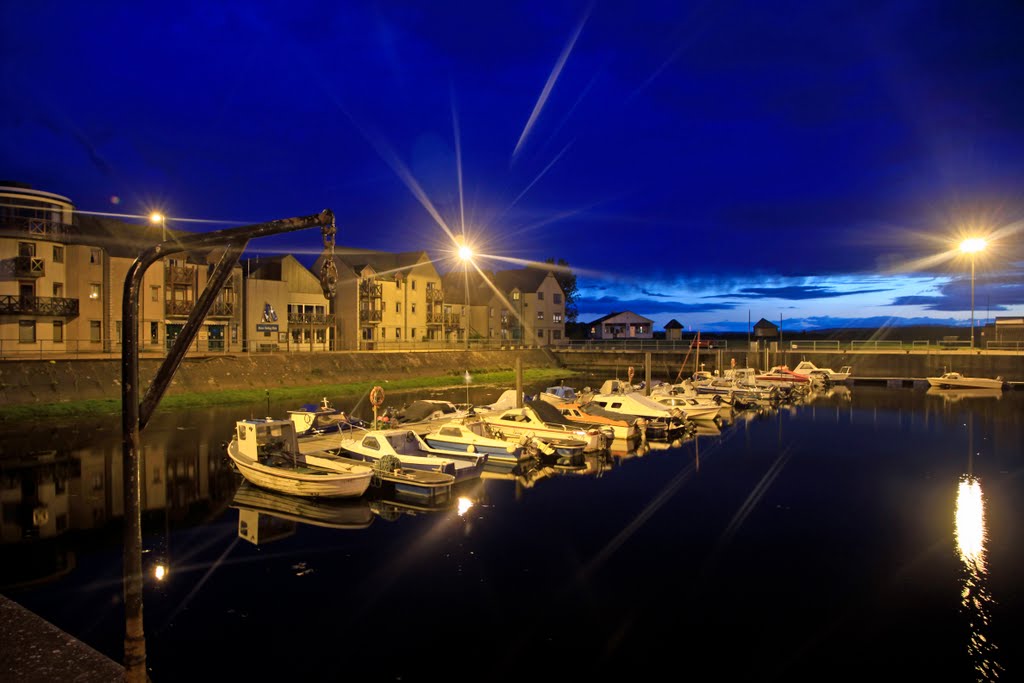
(304, 394)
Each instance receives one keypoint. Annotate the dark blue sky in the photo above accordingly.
(706, 162)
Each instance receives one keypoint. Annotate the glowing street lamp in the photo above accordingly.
(466, 254)
(972, 246)
(157, 217)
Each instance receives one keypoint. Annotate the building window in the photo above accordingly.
(367, 334)
(414, 308)
(234, 334)
(556, 317)
(95, 256)
(398, 307)
(95, 331)
(58, 254)
(540, 296)
(58, 331)
(490, 311)
(593, 330)
(27, 331)
(640, 329)
(94, 291)
(556, 334)
(398, 333)
(540, 334)
(413, 285)
(26, 248)
(515, 296)
(540, 315)
(556, 298)
(118, 332)
(154, 293)
(412, 335)
(154, 333)
(58, 289)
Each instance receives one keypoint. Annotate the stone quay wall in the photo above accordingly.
(50, 381)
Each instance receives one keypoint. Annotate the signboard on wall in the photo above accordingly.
(266, 327)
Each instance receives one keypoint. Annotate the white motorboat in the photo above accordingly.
(558, 395)
(811, 371)
(955, 380)
(403, 448)
(322, 419)
(472, 434)
(662, 421)
(267, 454)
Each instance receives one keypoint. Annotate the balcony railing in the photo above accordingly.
(370, 315)
(222, 309)
(179, 274)
(369, 290)
(434, 294)
(311, 318)
(178, 307)
(39, 305)
(29, 266)
(39, 228)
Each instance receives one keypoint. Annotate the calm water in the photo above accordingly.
(873, 533)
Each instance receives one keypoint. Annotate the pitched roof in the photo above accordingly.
(381, 261)
(523, 279)
(673, 324)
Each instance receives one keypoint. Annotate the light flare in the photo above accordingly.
(465, 505)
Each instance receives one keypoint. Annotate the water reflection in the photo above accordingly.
(976, 601)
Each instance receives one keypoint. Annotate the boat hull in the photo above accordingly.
(305, 481)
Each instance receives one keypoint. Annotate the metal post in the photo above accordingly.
(519, 382)
(647, 373)
(972, 301)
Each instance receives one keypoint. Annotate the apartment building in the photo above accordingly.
(387, 300)
(521, 306)
(285, 308)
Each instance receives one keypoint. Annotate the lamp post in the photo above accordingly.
(972, 246)
(157, 217)
(466, 254)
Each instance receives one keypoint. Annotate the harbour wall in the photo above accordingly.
(866, 365)
(64, 380)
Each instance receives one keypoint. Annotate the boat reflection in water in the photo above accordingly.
(956, 395)
(976, 601)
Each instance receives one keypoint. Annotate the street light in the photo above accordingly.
(157, 217)
(466, 254)
(972, 246)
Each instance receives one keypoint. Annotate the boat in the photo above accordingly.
(541, 420)
(781, 376)
(693, 408)
(267, 454)
(811, 371)
(662, 422)
(472, 434)
(955, 380)
(558, 395)
(322, 419)
(623, 427)
(401, 447)
(426, 411)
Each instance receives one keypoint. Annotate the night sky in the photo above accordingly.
(712, 162)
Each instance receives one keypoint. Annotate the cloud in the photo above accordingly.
(795, 292)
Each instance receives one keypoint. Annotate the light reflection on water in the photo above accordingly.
(976, 600)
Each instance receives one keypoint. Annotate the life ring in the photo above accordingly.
(377, 396)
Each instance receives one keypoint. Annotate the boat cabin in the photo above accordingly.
(259, 439)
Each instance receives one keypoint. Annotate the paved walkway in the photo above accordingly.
(32, 650)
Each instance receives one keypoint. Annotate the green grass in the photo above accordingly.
(299, 393)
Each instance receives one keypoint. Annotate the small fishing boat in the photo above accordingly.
(267, 454)
(620, 397)
(569, 440)
(558, 395)
(322, 419)
(623, 427)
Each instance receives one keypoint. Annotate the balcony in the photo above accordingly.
(39, 228)
(39, 305)
(182, 275)
(29, 266)
(368, 289)
(434, 295)
(370, 315)
(178, 308)
(222, 309)
(313, 318)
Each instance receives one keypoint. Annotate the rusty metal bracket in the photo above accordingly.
(135, 416)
